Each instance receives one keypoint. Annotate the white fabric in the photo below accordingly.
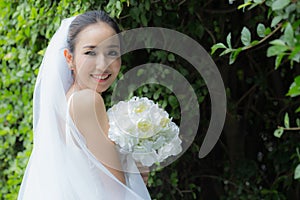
(61, 167)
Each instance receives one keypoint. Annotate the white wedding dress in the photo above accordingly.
(61, 167)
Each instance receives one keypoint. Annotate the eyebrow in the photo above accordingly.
(89, 46)
(93, 46)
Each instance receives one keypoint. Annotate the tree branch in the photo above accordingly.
(264, 39)
(289, 129)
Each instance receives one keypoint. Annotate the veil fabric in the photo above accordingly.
(61, 167)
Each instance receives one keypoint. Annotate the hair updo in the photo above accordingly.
(86, 19)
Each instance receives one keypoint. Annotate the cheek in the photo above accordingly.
(116, 66)
(84, 63)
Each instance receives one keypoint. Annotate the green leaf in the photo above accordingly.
(140, 72)
(234, 55)
(20, 73)
(145, 89)
(297, 172)
(118, 5)
(245, 5)
(294, 90)
(286, 120)
(280, 4)
(268, 31)
(246, 36)
(171, 57)
(297, 80)
(289, 35)
(278, 42)
(278, 60)
(147, 5)
(298, 122)
(254, 42)
(297, 110)
(134, 13)
(173, 102)
(275, 50)
(276, 20)
(158, 12)
(156, 94)
(144, 19)
(261, 29)
(216, 47)
(228, 40)
(226, 51)
(278, 132)
(294, 53)
(296, 58)
(33, 13)
(295, 87)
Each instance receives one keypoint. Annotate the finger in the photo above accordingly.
(145, 179)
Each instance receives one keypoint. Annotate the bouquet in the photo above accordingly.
(140, 127)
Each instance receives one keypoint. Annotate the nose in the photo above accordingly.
(102, 62)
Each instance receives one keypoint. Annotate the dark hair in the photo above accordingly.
(86, 19)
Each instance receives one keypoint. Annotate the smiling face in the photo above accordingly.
(96, 58)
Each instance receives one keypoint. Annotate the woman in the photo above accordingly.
(72, 157)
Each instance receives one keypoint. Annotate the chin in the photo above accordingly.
(100, 90)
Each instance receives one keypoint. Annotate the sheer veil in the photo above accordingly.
(56, 169)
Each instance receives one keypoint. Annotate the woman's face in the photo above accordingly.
(96, 60)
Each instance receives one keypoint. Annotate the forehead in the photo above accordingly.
(96, 34)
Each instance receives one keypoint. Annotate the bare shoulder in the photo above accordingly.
(85, 98)
(88, 111)
(89, 115)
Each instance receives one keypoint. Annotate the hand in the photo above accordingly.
(144, 171)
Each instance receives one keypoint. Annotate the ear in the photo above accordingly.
(69, 57)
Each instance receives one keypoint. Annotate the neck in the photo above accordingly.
(75, 88)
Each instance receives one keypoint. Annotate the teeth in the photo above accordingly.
(102, 77)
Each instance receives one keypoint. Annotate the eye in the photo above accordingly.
(113, 53)
(91, 53)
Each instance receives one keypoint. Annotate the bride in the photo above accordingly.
(72, 157)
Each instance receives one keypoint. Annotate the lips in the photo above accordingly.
(101, 77)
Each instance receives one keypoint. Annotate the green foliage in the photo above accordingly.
(284, 16)
(295, 87)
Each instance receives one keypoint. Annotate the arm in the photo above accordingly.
(89, 115)
(144, 171)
